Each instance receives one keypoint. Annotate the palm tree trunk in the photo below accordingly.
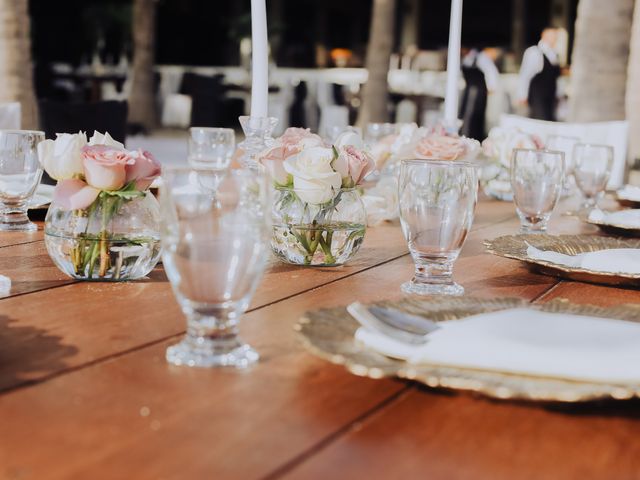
(142, 106)
(16, 68)
(376, 91)
(600, 58)
(633, 87)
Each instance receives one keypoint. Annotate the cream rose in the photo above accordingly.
(314, 180)
(62, 158)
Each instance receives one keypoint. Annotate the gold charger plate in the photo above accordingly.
(329, 333)
(515, 246)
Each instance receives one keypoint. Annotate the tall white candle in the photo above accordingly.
(259, 59)
(453, 65)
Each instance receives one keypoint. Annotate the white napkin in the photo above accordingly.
(629, 192)
(5, 286)
(628, 218)
(613, 260)
(527, 341)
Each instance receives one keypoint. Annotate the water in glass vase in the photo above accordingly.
(97, 259)
(321, 245)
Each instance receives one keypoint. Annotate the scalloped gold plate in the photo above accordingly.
(515, 247)
(329, 333)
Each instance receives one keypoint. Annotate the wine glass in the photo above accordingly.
(20, 173)
(437, 203)
(214, 250)
(592, 170)
(536, 181)
(211, 147)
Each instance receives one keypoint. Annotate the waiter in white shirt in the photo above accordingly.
(481, 77)
(539, 77)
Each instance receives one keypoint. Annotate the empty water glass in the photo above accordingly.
(536, 180)
(564, 144)
(593, 165)
(214, 250)
(211, 147)
(20, 173)
(377, 131)
(437, 204)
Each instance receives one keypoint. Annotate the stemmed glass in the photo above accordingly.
(377, 131)
(214, 251)
(437, 204)
(593, 165)
(536, 181)
(564, 144)
(20, 173)
(211, 148)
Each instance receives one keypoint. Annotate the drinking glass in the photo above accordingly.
(211, 147)
(564, 144)
(377, 131)
(437, 204)
(592, 170)
(214, 250)
(20, 173)
(536, 179)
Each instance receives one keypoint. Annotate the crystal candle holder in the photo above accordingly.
(257, 131)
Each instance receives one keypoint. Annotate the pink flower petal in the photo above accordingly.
(74, 194)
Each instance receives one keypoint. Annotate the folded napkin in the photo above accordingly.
(613, 260)
(629, 192)
(629, 218)
(5, 286)
(526, 341)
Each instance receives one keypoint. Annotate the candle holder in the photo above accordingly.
(452, 127)
(257, 131)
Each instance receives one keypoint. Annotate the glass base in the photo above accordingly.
(203, 352)
(26, 226)
(416, 288)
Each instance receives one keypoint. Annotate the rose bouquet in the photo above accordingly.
(318, 215)
(497, 149)
(103, 223)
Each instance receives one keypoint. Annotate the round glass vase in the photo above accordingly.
(324, 234)
(111, 240)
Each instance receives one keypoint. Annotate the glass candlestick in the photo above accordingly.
(257, 131)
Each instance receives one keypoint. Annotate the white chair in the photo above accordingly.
(334, 116)
(176, 111)
(407, 111)
(10, 116)
(613, 133)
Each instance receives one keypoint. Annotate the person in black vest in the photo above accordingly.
(481, 77)
(539, 77)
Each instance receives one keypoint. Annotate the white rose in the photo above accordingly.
(99, 139)
(314, 180)
(62, 158)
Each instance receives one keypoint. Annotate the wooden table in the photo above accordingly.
(85, 391)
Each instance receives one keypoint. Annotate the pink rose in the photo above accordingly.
(104, 167)
(144, 170)
(441, 147)
(353, 165)
(74, 194)
(273, 161)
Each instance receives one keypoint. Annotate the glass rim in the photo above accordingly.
(236, 172)
(439, 162)
(213, 129)
(17, 130)
(537, 150)
(593, 145)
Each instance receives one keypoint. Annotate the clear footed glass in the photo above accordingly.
(326, 234)
(214, 236)
(437, 204)
(20, 174)
(88, 245)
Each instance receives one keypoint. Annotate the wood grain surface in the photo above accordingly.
(85, 391)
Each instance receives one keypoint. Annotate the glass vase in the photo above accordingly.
(325, 234)
(111, 240)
